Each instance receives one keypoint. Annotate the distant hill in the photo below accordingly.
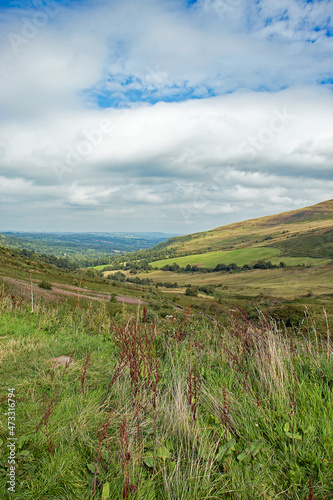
(304, 232)
(81, 246)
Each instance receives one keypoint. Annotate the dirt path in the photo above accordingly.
(69, 291)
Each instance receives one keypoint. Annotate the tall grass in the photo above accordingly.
(183, 410)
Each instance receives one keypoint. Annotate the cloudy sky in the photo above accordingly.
(163, 115)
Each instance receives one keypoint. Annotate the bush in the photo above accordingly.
(118, 276)
(208, 289)
(45, 284)
(220, 267)
(263, 264)
(174, 267)
(191, 291)
(291, 315)
(151, 316)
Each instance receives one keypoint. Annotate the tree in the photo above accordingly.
(191, 291)
(220, 267)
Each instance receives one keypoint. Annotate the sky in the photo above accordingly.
(163, 115)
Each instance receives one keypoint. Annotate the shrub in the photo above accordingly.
(174, 267)
(118, 276)
(191, 291)
(208, 289)
(220, 267)
(151, 316)
(45, 284)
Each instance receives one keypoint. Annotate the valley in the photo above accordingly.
(215, 367)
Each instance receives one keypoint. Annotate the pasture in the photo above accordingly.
(211, 259)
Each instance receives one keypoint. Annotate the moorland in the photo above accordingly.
(200, 368)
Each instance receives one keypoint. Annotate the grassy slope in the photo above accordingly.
(252, 431)
(14, 269)
(286, 229)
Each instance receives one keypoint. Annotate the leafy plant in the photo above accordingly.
(45, 285)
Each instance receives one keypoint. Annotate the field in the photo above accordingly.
(289, 283)
(211, 259)
(286, 292)
(299, 261)
(184, 409)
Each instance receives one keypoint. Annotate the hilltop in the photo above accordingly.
(303, 232)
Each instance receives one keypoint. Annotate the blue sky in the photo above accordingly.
(166, 115)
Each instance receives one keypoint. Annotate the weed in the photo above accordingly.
(84, 372)
(45, 422)
(193, 389)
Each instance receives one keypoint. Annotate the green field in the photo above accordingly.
(299, 261)
(101, 267)
(211, 259)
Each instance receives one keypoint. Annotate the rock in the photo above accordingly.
(61, 360)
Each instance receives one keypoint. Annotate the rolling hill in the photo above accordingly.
(306, 232)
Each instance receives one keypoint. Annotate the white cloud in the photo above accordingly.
(249, 150)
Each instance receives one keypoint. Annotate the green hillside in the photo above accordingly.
(315, 244)
(306, 232)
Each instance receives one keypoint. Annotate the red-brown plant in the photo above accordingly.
(193, 389)
(48, 408)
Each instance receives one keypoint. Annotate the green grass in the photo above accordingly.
(299, 261)
(239, 412)
(310, 244)
(211, 259)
